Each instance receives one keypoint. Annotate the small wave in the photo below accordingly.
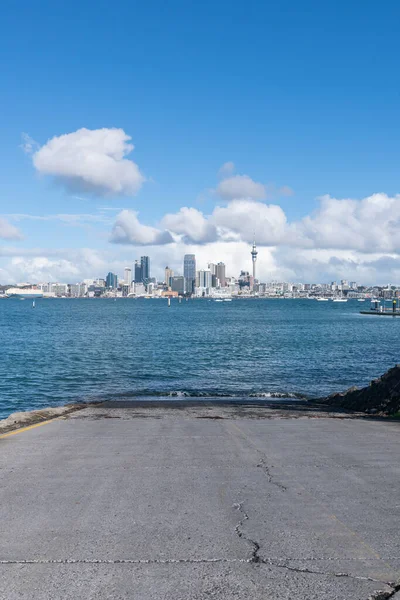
(277, 395)
(148, 393)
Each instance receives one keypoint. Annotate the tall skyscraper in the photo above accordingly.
(112, 281)
(128, 276)
(189, 272)
(145, 264)
(254, 258)
(220, 273)
(168, 275)
(138, 272)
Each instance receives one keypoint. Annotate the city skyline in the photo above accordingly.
(210, 282)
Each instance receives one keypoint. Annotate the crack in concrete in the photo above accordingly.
(273, 563)
(255, 546)
(263, 465)
(386, 594)
(120, 561)
(256, 558)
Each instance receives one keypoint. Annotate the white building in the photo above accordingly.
(128, 276)
(205, 279)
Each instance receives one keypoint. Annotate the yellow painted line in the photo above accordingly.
(22, 429)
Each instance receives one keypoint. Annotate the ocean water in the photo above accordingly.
(67, 350)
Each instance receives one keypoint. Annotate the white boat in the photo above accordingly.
(322, 299)
(361, 299)
(24, 293)
(340, 300)
(227, 299)
(218, 300)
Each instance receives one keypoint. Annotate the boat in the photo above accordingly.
(340, 300)
(227, 299)
(322, 299)
(218, 300)
(360, 299)
(33, 304)
(24, 293)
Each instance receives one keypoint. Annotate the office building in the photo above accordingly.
(168, 276)
(189, 272)
(112, 281)
(205, 279)
(220, 274)
(145, 266)
(178, 284)
(138, 272)
(128, 276)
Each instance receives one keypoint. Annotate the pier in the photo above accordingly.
(183, 502)
(382, 310)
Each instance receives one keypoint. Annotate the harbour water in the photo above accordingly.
(67, 350)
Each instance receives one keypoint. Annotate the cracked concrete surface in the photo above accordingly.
(159, 503)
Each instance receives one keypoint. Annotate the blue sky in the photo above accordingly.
(297, 95)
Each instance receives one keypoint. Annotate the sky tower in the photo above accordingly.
(254, 258)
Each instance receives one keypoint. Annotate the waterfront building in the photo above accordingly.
(75, 290)
(178, 284)
(112, 281)
(168, 276)
(245, 280)
(205, 279)
(58, 289)
(220, 274)
(145, 266)
(189, 272)
(128, 276)
(138, 272)
(139, 289)
(213, 268)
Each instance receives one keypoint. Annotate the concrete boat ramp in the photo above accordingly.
(178, 501)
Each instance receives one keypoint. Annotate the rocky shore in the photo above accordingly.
(381, 396)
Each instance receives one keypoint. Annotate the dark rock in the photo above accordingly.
(382, 395)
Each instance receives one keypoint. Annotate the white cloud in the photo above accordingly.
(369, 225)
(248, 219)
(41, 268)
(227, 169)
(343, 238)
(91, 161)
(66, 265)
(28, 144)
(128, 230)
(192, 224)
(8, 231)
(240, 187)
